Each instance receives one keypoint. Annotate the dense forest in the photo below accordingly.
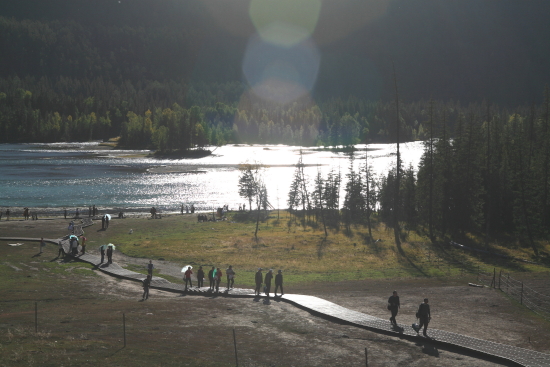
(168, 75)
(487, 177)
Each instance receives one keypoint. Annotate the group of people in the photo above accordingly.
(422, 314)
(187, 209)
(260, 279)
(215, 276)
(106, 250)
(27, 214)
(105, 221)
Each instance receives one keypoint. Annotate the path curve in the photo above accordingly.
(316, 305)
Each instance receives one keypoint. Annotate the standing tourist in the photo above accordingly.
(200, 277)
(65, 213)
(102, 250)
(150, 267)
(230, 276)
(218, 279)
(279, 282)
(393, 306)
(110, 254)
(424, 315)
(74, 246)
(83, 244)
(103, 222)
(259, 278)
(146, 284)
(187, 277)
(211, 278)
(267, 281)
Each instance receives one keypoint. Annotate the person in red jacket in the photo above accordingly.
(187, 277)
(218, 278)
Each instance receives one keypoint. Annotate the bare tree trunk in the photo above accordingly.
(396, 228)
(367, 177)
(431, 154)
(488, 181)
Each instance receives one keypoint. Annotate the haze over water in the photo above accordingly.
(48, 176)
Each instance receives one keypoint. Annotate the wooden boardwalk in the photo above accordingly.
(323, 308)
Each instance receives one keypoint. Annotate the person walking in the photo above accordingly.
(103, 222)
(109, 254)
(200, 277)
(425, 316)
(211, 278)
(150, 267)
(267, 280)
(230, 276)
(106, 216)
(393, 306)
(187, 277)
(102, 250)
(259, 278)
(279, 282)
(65, 213)
(218, 279)
(71, 227)
(146, 285)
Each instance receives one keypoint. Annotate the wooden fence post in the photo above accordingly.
(124, 327)
(366, 358)
(235, 345)
(499, 278)
(36, 317)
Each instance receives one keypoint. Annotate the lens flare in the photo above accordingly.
(285, 22)
(278, 73)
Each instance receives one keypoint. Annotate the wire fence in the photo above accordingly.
(518, 290)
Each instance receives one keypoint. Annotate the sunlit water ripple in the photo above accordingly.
(78, 175)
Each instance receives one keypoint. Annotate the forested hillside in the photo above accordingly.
(169, 74)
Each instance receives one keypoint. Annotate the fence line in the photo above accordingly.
(517, 290)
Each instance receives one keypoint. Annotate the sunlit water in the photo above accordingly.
(55, 176)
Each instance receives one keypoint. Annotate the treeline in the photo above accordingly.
(68, 109)
(489, 176)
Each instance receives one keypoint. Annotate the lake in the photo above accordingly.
(77, 175)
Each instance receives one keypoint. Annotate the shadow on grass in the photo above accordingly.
(411, 263)
(118, 350)
(321, 247)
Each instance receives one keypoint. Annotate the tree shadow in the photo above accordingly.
(411, 263)
(321, 247)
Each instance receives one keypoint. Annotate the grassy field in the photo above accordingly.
(80, 310)
(305, 255)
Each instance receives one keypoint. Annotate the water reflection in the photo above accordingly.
(78, 175)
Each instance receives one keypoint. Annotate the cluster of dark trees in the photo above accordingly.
(75, 71)
(488, 174)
